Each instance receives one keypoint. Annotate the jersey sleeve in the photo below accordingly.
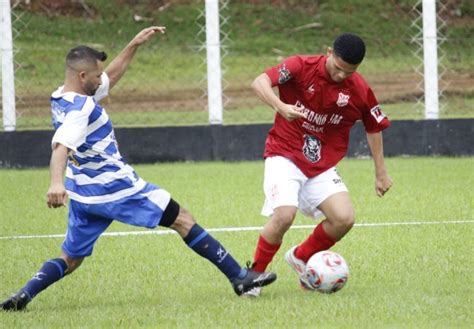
(373, 118)
(73, 131)
(289, 69)
(103, 89)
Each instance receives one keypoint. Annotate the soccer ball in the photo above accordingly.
(327, 272)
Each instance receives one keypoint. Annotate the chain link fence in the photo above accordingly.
(166, 83)
(163, 85)
(394, 62)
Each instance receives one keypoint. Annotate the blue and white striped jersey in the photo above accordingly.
(96, 172)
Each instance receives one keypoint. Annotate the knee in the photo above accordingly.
(344, 218)
(283, 217)
(183, 223)
(72, 263)
(177, 218)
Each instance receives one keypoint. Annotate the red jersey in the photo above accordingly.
(319, 141)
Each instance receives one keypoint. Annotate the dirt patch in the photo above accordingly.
(389, 88)
(77, 8)
(393, 88)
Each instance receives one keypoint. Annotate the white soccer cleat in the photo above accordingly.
(299, 267)
(253, 293)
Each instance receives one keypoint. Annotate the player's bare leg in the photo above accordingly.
(201, 242)
(339, 213)
(183, 222)
(72, 263)
(280, 222)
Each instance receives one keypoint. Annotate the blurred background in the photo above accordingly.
(166, 83)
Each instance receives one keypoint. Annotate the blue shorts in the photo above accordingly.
(88, 221)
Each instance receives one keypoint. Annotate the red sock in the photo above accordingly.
(317, 241)
(264, 254)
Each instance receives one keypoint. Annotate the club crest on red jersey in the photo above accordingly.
(342, 100)
(284, 74)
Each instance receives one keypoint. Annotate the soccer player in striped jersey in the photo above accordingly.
(101, 186)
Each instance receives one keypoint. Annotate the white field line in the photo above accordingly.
(235, 229)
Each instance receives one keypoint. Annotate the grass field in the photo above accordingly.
(411, 276)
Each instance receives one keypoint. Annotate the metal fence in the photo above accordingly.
(166, 83)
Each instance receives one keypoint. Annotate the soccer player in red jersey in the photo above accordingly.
(320, 99)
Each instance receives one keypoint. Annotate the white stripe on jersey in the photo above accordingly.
(139, 185)
(102, 145)
(104, 178)
(99, 165)
(159, 197)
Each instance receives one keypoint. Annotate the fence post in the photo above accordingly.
(8, 77)
(214, 74)
(430, 56)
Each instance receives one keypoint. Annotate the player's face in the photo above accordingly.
(91, 79)
(337, 68)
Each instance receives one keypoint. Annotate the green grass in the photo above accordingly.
(416, 276)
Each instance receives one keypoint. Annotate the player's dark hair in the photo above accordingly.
(84, 54)
(350, 48)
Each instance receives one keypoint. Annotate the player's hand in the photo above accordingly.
(292, 112)
(56, 196)
(146, 34)
(382, 185)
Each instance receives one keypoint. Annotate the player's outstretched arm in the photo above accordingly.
(56, 196)
(382, 181)
(262, 86)
(119, 65)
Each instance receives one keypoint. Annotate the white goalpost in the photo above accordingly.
(214, 72)
(8, 77)
(430, 60)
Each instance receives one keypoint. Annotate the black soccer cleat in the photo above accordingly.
(252, 280)
(16, 302)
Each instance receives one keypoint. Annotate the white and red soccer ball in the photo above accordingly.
(327, 272)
